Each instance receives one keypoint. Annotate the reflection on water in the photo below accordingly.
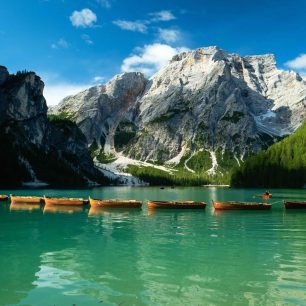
(62, 209)
(171, 257)
(24, 206)
(113, 211)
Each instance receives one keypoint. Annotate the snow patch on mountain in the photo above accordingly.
(213, 169)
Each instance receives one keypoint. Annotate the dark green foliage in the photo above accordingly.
(60, 117)
(104, 158)
(281, 165)
(159, 177)
(66, 127)
(226, 160)
(163, 118)
(268, 140)
(49, 167)
(102, 141)
(200, 162)
(124, 134)
(168, 116)
(201, 135)
(58, 168)
(12, 172)
(22, 73)
(15, 79)
(93, 148)
(234, 118)
(162, 155)
(52, 168)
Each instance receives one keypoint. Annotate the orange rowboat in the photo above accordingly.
(114, 203)
(65, 201)
(3, 197)
(295, 204)
(26, 199)
(176, 204)
(231, 205)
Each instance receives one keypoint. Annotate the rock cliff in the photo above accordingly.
(35, 150)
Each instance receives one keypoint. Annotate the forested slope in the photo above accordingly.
(281, 165)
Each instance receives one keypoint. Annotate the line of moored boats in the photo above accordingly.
(108, 203)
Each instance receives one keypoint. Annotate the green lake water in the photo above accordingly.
(169, 257)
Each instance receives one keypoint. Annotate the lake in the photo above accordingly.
(136, 257)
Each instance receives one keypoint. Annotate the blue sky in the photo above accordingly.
(73, 44)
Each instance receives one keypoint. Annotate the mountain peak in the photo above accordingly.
(204, 100)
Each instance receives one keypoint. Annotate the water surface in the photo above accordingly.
(177, 257)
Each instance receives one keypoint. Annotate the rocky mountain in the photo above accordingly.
(204, 111)
(34, 149)
(99, 110)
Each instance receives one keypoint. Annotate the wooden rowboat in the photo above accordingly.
(65, 201)
(114, 203)
(295, 204)
(3, 197)
(26, 199)
(176, 204)
(232, 205)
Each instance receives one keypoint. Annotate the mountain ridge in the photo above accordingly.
(192, 122)
(205, 102)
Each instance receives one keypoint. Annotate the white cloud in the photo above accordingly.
(98, 78)
(150, 58)
(87, 39)
(142, 25)
(168, 35)
(162, 16)
(55, 92)
(135, 26)
(105, 3)
(83, 19)
(298, 63)
(61, 43)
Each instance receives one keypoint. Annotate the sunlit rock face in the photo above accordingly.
(98, 110)
(206, 99)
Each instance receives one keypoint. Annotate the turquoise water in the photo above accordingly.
(122, 257)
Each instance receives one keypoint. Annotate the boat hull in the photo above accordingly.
(295, 204)
(175, 205)
(240, 206)
(3, 198)
(26, 200)
(65, 201)
(114, 203)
